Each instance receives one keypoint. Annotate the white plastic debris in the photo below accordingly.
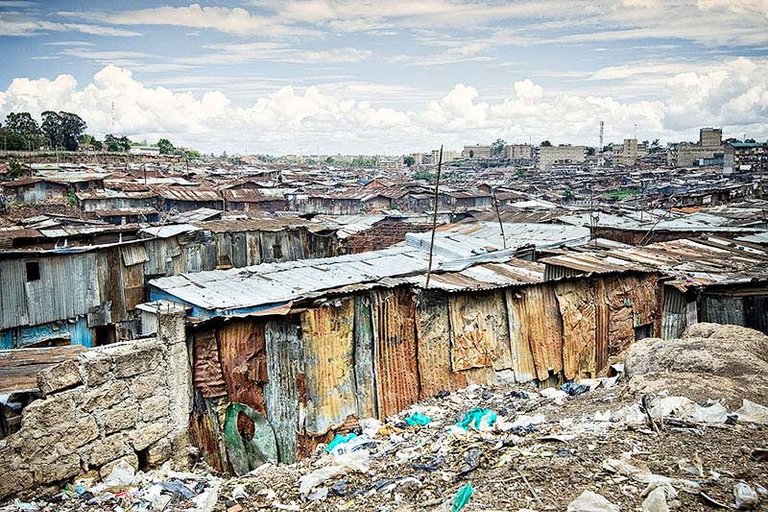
(745, 497)
(684, 408)
(751, 412)
(121, 475)
(640, 473)
(525, 420)
(589, 501)
(239, 492)
(357, 461)
(370, 426)
(715, 413)
(656, 501)
(206, 500)
(553, 393)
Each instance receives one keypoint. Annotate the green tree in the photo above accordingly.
(25, 128)
(497, 148)
(546, 144)
(12, 141)
(409, 160)
(166, 148)
(115, 145)
(63, 129)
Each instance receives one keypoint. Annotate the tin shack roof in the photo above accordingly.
(690, 262)
(272, 287)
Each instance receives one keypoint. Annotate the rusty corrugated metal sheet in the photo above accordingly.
(207, 375)
(520, 345)
(282, 394)
(602, 324)
(244, 362)
(480, 332)
(434, 347)
(133, 254)
(577, 309)
(328, 337)
(365, 373)
(13, 303)
(673, 318)
(133, 280)
(542, 316)
(395, 345)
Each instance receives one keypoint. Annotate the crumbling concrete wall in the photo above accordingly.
(128, 401)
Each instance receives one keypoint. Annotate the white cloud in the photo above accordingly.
(289, 119)
(15, 26)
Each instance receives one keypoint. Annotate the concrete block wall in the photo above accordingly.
(118, 402)
(382, 235)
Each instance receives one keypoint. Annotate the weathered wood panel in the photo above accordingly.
(244, 361)
(520, 345)
(365, 374)
(328, 337)
(434, 346)
(19, 367)
(542, 316)
(480, 332)
(577, 309)
(207, 375)
(281, 393)
(395, 346)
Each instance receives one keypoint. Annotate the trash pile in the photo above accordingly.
(127, 490)
(586, 446)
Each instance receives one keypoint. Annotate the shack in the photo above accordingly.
(301, 350)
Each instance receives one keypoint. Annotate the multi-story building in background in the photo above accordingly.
(564, 154)
(518, 151)
(476, 151)
(709, 148)
(746, 157)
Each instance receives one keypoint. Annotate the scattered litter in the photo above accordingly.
(462, 496)
(573, 389)
(417, 418)
(751, 412)
(338, 440)
(589, 501)
(478, 419)
(553, 393)
(744, 496)
(656, 501)
(626, 466)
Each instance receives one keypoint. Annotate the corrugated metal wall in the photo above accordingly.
(673, 319)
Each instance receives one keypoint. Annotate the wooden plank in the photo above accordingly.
(542, 316)
(19, 367)
(520, 346)
(365, 374)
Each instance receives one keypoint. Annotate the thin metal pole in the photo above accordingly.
(498, 216)
(434, 217)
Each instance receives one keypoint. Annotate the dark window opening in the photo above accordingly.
(277, 251)
(33, 271)
(643, 331)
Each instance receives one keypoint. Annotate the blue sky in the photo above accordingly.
(331, 76)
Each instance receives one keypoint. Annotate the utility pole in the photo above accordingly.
(434, 217)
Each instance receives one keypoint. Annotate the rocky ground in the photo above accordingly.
(631, 443)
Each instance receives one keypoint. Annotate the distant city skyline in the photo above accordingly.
(369, 77)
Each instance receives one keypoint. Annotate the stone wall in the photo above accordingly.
(128, 401)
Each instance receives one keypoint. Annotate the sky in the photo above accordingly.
(389, 77)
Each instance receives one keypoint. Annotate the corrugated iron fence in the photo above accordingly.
(317, 370)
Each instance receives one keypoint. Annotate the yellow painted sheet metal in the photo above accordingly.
(328, 337)
(521, 355)
(577, 309)
(433, 332)
(479, 330)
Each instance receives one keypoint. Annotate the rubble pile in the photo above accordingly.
(710, 361)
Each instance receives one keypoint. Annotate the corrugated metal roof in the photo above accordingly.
(691, 262)
(194, 194)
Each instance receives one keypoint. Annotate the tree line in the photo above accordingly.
(66, 131)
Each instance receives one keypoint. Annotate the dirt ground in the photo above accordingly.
(536, 473)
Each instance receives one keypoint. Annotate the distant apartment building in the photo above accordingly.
(448, 156)
(476, 151)
(709, 148)
(564, 154)
(518, 151)
(630, 152)
(745, 157)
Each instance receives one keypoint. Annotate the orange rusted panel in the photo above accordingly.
(542, 317)
(328, 334)
(207, 374)
(394, 313)
(602, 325)
(520, 345)
(243, 358)
(480, 334)
(577, 309)
(434, 352)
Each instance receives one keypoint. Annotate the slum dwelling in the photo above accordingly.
(289, 354)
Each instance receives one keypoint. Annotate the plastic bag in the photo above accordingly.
(478, 419)
(417, 418)
(462, 496)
